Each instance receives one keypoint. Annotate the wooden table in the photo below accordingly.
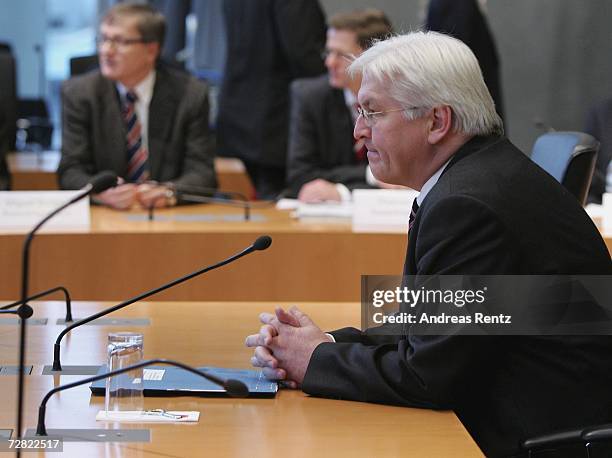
(124, 254)
(36, 171)
(292, 424)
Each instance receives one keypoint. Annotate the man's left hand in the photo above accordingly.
(152, 195)
(285, 344)
(319, 190)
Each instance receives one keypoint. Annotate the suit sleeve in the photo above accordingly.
(420, 371)
(198, 163)
(301, 32)
(77, 164)
(304, 162)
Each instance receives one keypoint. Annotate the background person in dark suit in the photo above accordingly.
(269, 44)
(599, 125)
(464, 20)
(324, 161)
(484, 209)
(4, 148)
(142, 122)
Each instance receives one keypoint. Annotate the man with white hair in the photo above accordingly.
(428, 122)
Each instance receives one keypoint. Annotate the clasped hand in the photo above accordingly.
(284, 345)
(126, 195)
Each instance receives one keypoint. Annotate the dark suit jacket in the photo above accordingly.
(463, 20)
(4, 147)
(492, 212)
(321, 137)
(269, 44)
(94, 133)
(599, 125)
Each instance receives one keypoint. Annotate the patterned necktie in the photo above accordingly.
(136, 152)
(413, 212)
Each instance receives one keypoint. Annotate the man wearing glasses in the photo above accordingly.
(324, 160)
(484, 208)
(145, 122)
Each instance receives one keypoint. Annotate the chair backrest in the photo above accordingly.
(570, 158)
(8, 98)
(83, 64)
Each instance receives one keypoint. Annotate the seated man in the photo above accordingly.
(148, 124)
(429, 122)
(324, 161)
(599, 125)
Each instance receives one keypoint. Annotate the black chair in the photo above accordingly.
(83, 64)
(8, 96)
(35, 123)
(570, 158)
(590, 442)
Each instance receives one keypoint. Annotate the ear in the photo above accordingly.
(440, 124)
(153, 50)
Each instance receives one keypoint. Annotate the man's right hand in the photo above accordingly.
(121, 197)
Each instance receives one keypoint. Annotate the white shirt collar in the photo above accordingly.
(349, 97)
(429, 184)
(143, 90)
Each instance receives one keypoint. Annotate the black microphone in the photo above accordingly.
(262, 243)
(68, 318)
(23, 312)
(234, 388)
(98, 183)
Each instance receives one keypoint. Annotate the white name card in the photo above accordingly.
(22, 210)
(382, 210)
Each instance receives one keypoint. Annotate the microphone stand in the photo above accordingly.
(99, 183)
(261, 243)
(200, 194)
(68, 318)
(205, 199)
(221, 201)
(234, 388)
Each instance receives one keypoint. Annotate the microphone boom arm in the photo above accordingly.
(234, 388)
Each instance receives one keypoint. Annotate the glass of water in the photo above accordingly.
(124, 392)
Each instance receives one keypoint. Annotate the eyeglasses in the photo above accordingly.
(118, 42)
(333, 52)
(370, 117)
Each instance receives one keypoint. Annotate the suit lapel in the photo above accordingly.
(161, 116)
(115, 132)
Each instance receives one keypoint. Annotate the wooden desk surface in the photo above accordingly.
(124, 254)
(292, 424)
(36, 171)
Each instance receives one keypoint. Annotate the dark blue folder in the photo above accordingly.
(179, 382)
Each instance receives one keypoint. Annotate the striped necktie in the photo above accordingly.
(413, 212)
(137, 154)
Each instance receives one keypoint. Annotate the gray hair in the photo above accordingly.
(429, 69)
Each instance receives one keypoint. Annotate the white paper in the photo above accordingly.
(382, 210)
(325, 210)
(287, 204)
(153, 374)
(22, 210)
(142, 417)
